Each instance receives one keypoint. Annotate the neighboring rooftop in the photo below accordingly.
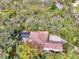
(54, 38)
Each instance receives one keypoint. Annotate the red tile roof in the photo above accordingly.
(43, 36)
(39, 36)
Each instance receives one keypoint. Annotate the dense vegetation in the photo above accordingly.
(35, 15)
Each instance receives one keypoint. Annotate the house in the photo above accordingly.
(42, 40)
